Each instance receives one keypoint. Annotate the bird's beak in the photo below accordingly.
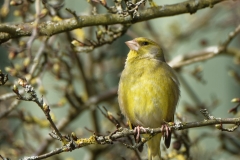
(133, 45)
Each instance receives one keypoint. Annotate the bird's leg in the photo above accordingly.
(166, 134)
(165, 129)
(137, 131)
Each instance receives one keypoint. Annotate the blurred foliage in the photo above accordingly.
(70, 75)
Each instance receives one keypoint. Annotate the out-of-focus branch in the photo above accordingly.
(13, 105)
(34, 31)
(193, 57)
(208, 52)
(201, 55)
(50, 28)
(3, 78)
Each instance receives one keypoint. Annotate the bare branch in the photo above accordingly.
(124, 132)
(50, 28)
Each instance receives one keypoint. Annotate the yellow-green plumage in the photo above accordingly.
(148, 89)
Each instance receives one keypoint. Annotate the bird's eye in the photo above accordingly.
(145, 43)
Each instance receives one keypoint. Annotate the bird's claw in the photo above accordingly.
(137, 131)
(166, 134)
(166, 130)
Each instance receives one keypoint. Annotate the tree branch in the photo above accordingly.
(75, 142)
(50, 28)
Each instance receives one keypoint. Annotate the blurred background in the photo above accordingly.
(76, 81)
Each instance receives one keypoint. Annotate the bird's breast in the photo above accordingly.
(148, 95)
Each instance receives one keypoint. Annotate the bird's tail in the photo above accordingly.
(154, 152)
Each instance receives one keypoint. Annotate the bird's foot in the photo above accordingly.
(166, 134)
(137, 131)
(166, 130)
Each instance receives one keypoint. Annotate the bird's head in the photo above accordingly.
(144, 48)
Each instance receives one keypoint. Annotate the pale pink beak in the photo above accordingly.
(133, 45)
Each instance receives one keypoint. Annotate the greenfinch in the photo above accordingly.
(148, 90)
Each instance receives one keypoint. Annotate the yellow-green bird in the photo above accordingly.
(148, 90)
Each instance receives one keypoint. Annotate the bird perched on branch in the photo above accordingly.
(148, 91)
